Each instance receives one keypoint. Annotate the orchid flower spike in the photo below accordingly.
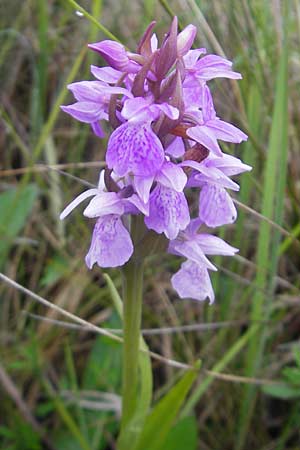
(165, 138)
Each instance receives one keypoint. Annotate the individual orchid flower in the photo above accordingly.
(216, 207)
(111, 244)
(133, 146)
(169, 211)
(195, 246)
(207, 67)
(211, 128)
(93, 98)
(193, 281)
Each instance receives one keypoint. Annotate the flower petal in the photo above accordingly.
(88, 91)
(169, 110)
(96, 91)
(111, 244)
(134, 148)
(226, 131)
(190, 250)
(192, 56)
(169, 212)
(229, 165)
(208, 109)
(193, 281)
(172, 176)
(103, 204)
(80, 198)
(154, 42)
(185, 40)
(205, 136)
(115, 54)
(106, 74)
(216, 207)
(88, 112)
(214, 66)
(142, 186)
(135, 108)
(134, 205)
(176, 148)
(97, 129)
(215, 177)
(213, 245)
(192, 94)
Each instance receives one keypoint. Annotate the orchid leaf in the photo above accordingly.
(160, 421)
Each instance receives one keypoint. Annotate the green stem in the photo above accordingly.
(132, 308)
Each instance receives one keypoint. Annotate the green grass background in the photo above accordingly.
(60, 386)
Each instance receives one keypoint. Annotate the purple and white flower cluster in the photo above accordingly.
(164, 141)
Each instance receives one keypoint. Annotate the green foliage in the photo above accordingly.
(15, 208)
(160, 421)
(109, 354)
(19, 436)
(54, 271)
(183, 435)
(268, 241)
(289, 389)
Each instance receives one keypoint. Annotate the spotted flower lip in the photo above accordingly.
(111, 244)
(193, 281)
(134, 147)
(169, 212)
(165, 139)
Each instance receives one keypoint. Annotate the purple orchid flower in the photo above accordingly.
(134, 147)
(216, 207)
(211, 128)
(169, 211)
(111, 244)
(193, 281)
(207, 67)
(195, 246)
(92, 102)
(164, 140)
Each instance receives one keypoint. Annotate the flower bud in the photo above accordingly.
(115, 54)
(185, 40)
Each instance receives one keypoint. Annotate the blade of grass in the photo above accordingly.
(289, 240)
(66, 416)
(5, 47)
(92, 19)
(74, 386)
(229, 355)
(254, 105)
(55, 110)
(96, 13)
(267, 253)
(42, 65)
